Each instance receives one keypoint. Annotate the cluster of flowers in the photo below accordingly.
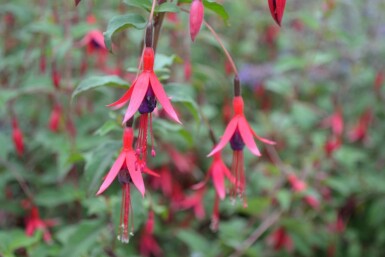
(142, 97)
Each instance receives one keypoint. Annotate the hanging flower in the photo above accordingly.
(55, 118)
(17, 137)
(335, 122)
(360, 130)
(195, 202)
(296, 184)
(143, 96)
(196, 18)
(217, 171)
(128, 169)
(239, 133)
(280, 239)
(33, 222)
(277, 7)
(148, 246)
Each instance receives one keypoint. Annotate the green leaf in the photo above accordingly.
(284, 198)
(167, 7)
(216, 8)
(14, 239)
(120, 23)
(81, 239)
(143, 4)
(181, 93)
(98, 81)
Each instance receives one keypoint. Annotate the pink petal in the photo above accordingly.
(98, 37)
(135, 173)
(163, 98)
(264, 140)
(111, 175)
(124, 98)
(247, 136)
(229, 132)
(150, 172)
(137, 97)
(228, 174)
(219, 181)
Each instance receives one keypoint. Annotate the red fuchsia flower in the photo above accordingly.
(239, 133)
(148, 246)
(277, 7)
(143, 96)
(55, 76)
(332, 144)
(217, 171)
(94, 42)
(42, 63)
(296, 184)
(312, 201)
(33, 222)
(17, 136)
(379, 81)
(335, 122)
(280, 239)
(195, 202)
(128, 168)
(183, 162)
(187, 70)
(55, 117)
(196, 18)
(360, 130)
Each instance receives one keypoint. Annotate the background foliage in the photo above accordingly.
(327, 57)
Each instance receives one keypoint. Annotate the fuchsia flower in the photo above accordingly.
(335, 122)
(55, 118)
(217, 171)
(239, 133)
(379, 81)
(148, 246)
(195, 202)
(143, 96)
(280, 239)
(128, 169)
(312, 201)
(196, 18)
(33, 222)
(360, 130)
(277, 7)
(17, 137)
(296, 184)
(94, 42)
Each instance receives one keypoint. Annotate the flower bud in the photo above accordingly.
(196, 18)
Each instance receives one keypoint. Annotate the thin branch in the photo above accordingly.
(258, 232)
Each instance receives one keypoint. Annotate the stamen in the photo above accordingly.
(237, 169)
(125, 219)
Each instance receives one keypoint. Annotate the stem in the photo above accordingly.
(229, 58)
(270, 221)
(237, 86)
(23, 184)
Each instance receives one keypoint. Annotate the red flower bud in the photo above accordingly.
(54, 119)
(277, 7)
(17, 137)
(196, 18)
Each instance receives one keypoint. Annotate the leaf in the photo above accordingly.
(284, 199)
(98, 81)
(143, 4)
(81, 238)
(180, 93)
(216, 8)
(120, 23)
(195, 241)
(212, 6)
(167, 7)
(14, 239)
(97, 163)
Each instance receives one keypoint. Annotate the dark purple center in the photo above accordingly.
(236, 141)
(95, 44)
(149, 102)
(124, 177)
